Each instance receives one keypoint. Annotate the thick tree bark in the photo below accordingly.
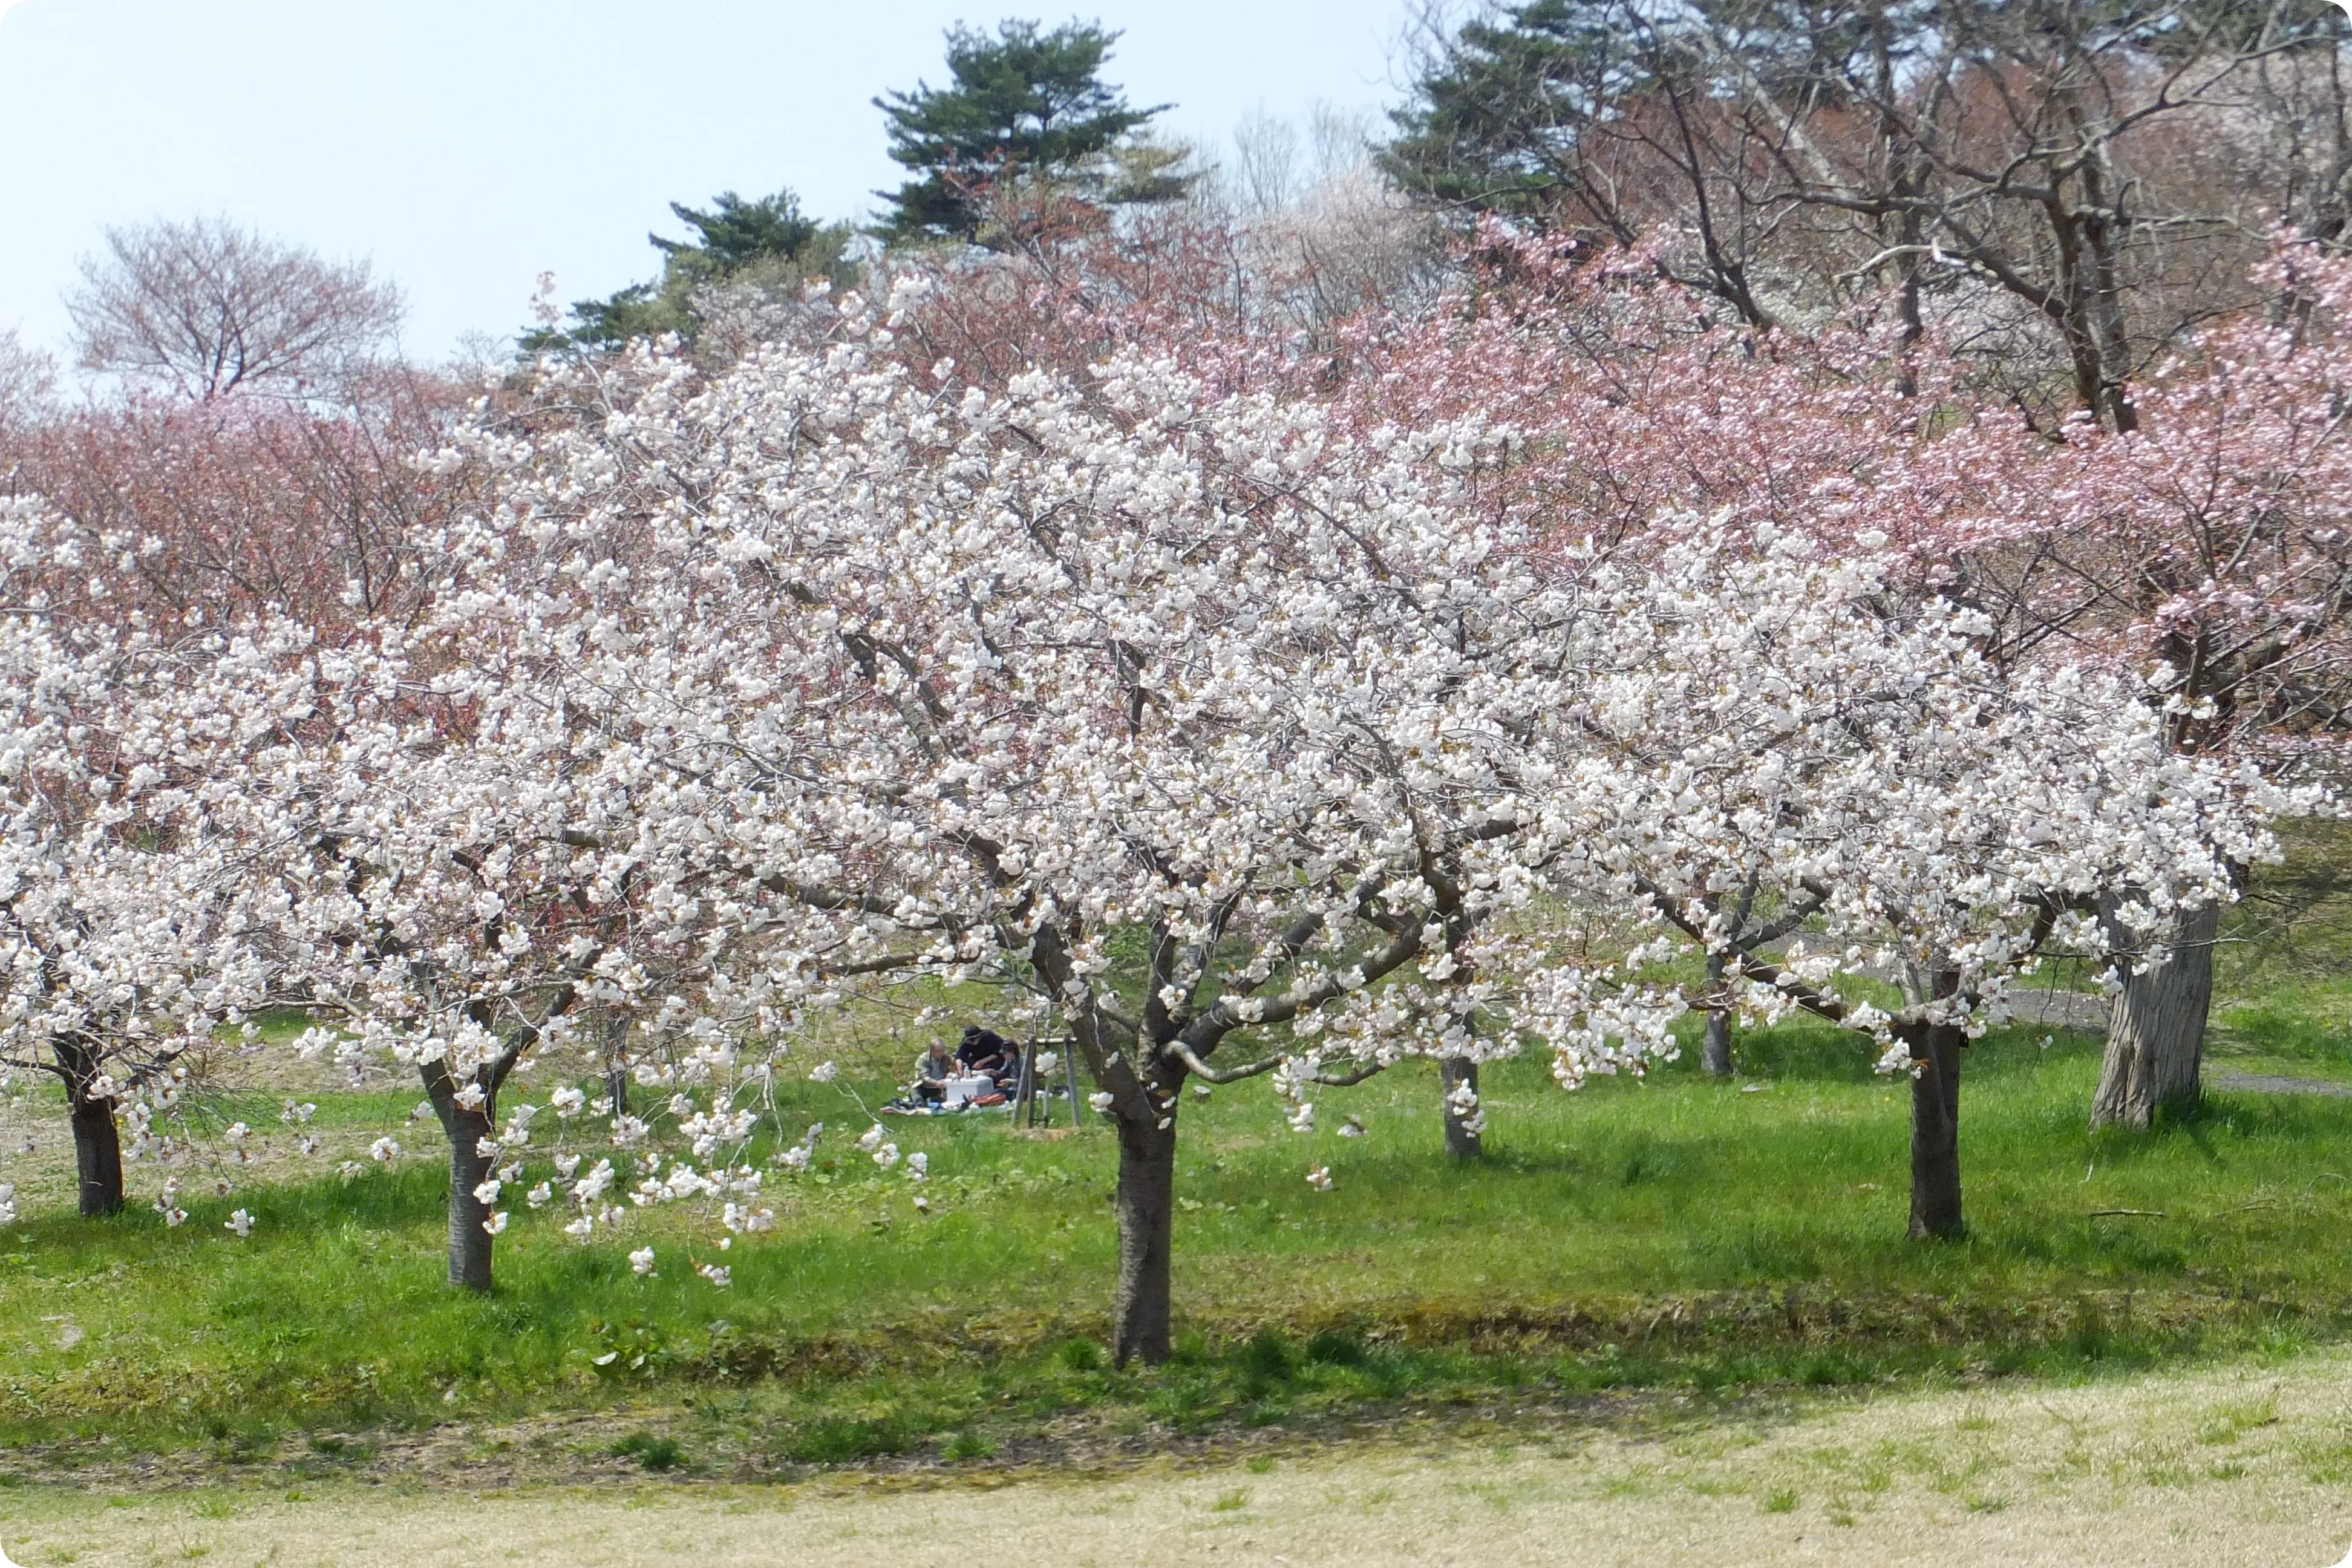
(1464, 1139)
(98, 1157)
(1147, 1211)
(1935, 1130)
(469, 1243)
(2156, 1035)
(98, 1141)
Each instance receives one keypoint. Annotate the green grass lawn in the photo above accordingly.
(1675, 1231)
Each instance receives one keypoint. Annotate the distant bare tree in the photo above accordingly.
(1317, 228)
(1264, 176)
(206, 307)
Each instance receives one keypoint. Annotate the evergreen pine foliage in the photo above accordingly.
(736, 233)
(1498, 123)
(1024, 103)
(769, 243)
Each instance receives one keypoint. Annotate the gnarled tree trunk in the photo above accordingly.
(98, 1141)
(2156, 1035)
(1146, 1201)
(1462, 1134)
(469, 1243)
(1936, 1129)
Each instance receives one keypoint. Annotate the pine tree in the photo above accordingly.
(769, 242)
(1500, 121)
(1026, 104)
(738, 232)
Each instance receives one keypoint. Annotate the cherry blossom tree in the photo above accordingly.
(120, 898)
(2207, 548)
(153, 569)
(245, 503)
(477, 870)
(1779, 750)
(966, 685)
(419, 829)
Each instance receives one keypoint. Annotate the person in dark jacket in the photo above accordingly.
(986, 1051)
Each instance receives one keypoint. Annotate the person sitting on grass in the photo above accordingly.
(933, 1070)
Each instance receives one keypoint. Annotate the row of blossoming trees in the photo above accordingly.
(1454, 685)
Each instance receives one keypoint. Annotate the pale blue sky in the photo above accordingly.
(465, 145)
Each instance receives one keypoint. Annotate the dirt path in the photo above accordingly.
(2242, 1464)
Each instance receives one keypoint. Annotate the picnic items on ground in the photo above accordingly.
(986, 1072)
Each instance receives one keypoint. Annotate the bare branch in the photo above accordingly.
(205, 308)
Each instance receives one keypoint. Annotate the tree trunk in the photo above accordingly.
(1716, 1053)
(1936, 1131)
(2156, 1035)
(616, 1064)
(98, 1141)
(2104, 308)
(98, 1157)
(1464, 1129)
(469, 1244)
(1147, 1211)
